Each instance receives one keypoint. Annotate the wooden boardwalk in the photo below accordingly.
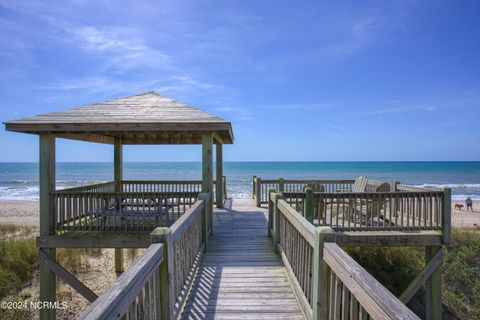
(240, 276)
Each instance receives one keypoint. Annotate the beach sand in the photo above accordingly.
(25, 213)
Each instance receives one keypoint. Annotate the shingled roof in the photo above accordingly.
(146, 118)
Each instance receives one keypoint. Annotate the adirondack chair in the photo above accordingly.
(369, 208)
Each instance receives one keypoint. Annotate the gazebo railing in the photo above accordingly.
(356, 211)
(141, 186)
(139, 206)
(261, 186)
(118, 211)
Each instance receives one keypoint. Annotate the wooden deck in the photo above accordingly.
(240, 275)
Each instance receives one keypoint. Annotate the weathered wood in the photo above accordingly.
(219, 175)
(308, 205)
(118, 177)
(302, 299)
(417, 238)
(95, 239)
(139, 119)
(276, 220)
(432, 265)
(258, 191)
(207, 173)
(306, 229)
(433, 289)
(167, 279)
(320, 275)
(447, 215)
(240, 277)
(377, 301)
(47, 185)
(66, 276)
(119, 298)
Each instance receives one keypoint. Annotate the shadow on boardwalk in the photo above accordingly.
(240, 276)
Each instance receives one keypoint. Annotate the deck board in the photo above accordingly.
(240, 276)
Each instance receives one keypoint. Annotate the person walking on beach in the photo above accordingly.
(469, 203)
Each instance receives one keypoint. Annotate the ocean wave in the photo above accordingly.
(451, 185)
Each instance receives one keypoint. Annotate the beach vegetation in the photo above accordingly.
(395, 268)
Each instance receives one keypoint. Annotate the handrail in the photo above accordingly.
(180, 226)
(130, 289)
(306, 252)
(360, 211)
(372, 296)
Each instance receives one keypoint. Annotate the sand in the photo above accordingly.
(25, 213)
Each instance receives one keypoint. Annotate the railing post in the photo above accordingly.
(433, 288)
(276, 222)
(166, 269)
(446, 215)
(254, 181)
(205, 197)
(320, 275)
(281, 185)
(308, 205)
(224, 180)
(270, 212)
(258, 191)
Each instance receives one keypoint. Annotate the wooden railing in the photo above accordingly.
(329, 284)
(118, 211)
(188, 234)
(262, 186)
(157, 284)
(135, 294)
(140, 206)
(171, 186)
(356, 211)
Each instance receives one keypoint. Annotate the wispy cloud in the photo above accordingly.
(122, 47)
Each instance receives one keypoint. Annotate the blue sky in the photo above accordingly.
(299, 80)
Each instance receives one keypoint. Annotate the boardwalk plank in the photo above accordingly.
(240, 276)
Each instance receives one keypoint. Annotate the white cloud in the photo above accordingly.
(430, 108)
(124, 48)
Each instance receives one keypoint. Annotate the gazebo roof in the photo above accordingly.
(146, 118)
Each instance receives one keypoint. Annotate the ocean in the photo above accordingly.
(19, 181)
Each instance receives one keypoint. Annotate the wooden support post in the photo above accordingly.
(258, 191)
(254, 181)
(166, 270)
(271, 208)
(320, 275)
(224, 181)
(118, 177)
(219, 176)
(47, 185)
(308, 205)
(207, 174)
(433, 289)
(447, 215)
(205, 227)
(281, 185)
(276, 222)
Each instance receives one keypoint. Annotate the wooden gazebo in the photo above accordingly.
(119, 214)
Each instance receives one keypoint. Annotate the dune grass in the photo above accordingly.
(18, 262)
(395, 268)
